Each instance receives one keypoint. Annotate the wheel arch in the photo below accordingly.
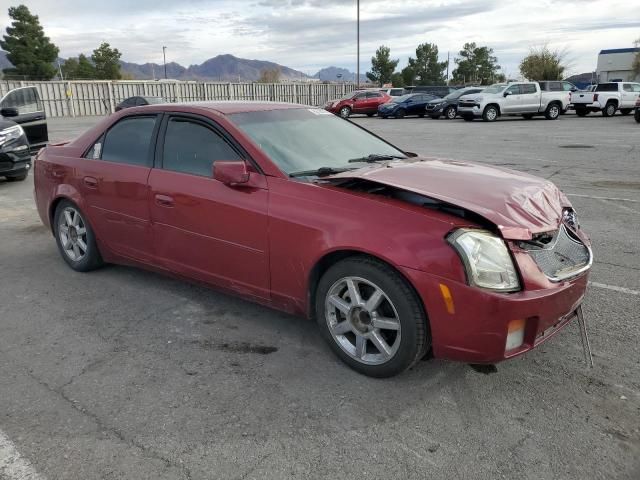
(493, 104)
(64, 193)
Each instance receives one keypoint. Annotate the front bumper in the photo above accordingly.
(433, 109)
(15, 159)
(475, 329)
(474, 110)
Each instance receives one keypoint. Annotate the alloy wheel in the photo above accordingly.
(345, 112)
(451, 113)
(72, 232)
(362, 320)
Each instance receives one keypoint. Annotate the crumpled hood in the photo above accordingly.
(520, 205)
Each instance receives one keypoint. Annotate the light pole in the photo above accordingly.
(164, 59)
(358, 41)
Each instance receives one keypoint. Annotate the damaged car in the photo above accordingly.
(396, 256)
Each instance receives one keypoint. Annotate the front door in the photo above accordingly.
(113, 183)
(31, 116)
(205, 229)
(513, 100)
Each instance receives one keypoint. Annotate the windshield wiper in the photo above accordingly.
(375, 157)
(320, 172)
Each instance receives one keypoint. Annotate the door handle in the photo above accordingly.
(90, 182)
(164, 201)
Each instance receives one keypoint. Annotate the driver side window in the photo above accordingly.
(514, 89)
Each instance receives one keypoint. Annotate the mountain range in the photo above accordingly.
(222, 68)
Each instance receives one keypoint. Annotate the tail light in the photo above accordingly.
(638, 102)
(595, 97)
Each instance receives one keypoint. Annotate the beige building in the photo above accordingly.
(615, 65)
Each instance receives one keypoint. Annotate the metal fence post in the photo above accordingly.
(111, 102)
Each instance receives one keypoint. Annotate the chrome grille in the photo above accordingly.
(564, 256)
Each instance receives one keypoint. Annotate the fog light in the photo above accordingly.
(515, 335)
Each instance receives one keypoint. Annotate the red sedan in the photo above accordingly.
(360, 101)
(393, 254)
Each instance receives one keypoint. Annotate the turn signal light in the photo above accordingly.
(515, 334)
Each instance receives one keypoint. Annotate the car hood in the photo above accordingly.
(520, 205)
(436, 101)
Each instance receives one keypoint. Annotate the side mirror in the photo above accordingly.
(507, 93)
(231, 173)
(9, 112)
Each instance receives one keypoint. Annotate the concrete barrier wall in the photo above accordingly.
(80, 98)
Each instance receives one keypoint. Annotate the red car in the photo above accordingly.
(393, 254)
(359, 101)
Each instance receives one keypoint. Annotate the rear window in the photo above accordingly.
(528, 88)
(607, 87)
(128, 141)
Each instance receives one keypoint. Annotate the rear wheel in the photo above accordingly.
(450, 112)
(625, 111)
(17, 178)
(75, 238)
(609, 110)
(345, 112)
(371, 317)
(582, 112)
(401, 113)
(552, 112)
(490, 113)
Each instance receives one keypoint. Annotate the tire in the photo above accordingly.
(78, 232)
(468, 118)
(625, 111)
(345, 112)
(552, 112)
(582, 112)
(435, 117)
(349, 329)
(384, 116)
(400, 113)
(17, 178)
(637, 115)
(527, 116)
(370, 114)
(609, 109)
(490, 113)
(450, 113)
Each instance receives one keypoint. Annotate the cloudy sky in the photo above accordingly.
(310, 34)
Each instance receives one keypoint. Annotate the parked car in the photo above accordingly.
(410, 104)
(515, 98)
(559, 86)
(448, 106)
(438, 90)
(607, 98)
(139, 102)
(15, 157)
(359, 101)
(24, 107)
(636, 115)
(394, 92)
(394, 255)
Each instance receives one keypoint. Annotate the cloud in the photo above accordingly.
(310, 34)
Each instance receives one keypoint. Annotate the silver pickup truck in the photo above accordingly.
(515, 98)
(607, 98)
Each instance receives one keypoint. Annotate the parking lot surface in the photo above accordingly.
(122, 373)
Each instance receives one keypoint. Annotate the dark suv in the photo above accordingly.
(448, 106)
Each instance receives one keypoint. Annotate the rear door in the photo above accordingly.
(628, 96)
(114, 186)
(529, 98)
(203, 228)
(31, 114)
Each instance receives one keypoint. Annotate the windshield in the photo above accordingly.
(301, 139)
(457, 94)
(496, 88)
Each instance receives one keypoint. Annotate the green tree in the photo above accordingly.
(397, 80)
(476, 65)
(426, 66)
(543, 64)
(79, 68)
(408, 76)
(382, 66)
(28, 48)
(107, 62)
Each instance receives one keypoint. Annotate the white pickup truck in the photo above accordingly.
(515, 98)
(607, 98)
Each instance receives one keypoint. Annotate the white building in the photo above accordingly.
(615, 65)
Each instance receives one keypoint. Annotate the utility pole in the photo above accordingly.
(447, 68)
(358, 40)
(164, 59)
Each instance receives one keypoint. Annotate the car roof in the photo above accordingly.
(229, 107)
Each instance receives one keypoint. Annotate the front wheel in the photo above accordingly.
(401, 113)
(450, 113)
(490, 114)
(625, 111)
(609, 110)
(345, 112)
(75, 238)
(371, 317)
(637, 115)
(17, 178)
(552, 112)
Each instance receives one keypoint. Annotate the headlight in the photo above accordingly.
(9, 134)
(486, 259)
(570, 217)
